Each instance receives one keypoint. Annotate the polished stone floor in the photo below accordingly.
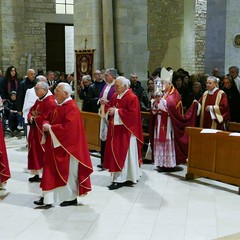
(161, 206)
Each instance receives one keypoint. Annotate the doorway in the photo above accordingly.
(59, 47)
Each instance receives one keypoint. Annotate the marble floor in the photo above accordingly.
(161, 206)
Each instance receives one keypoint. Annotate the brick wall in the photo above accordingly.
(22, 33)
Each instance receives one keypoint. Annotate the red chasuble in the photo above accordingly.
(42, 109)
(118, 136)
(4, 167)
(179, 122)
(66, 124)
(220, 107)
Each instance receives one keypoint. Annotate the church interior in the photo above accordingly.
(131, 36)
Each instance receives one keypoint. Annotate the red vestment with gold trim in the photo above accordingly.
(66, 124)
(118, 136)
(40, 110)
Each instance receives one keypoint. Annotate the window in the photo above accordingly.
(64, 6)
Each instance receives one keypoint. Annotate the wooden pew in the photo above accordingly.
(91, 123)
(213, 155)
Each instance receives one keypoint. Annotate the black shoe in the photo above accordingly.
(100, 166)
(170, 169)
(115, 186)
(36, 178)
(128, 184)
(39, 202)
(69, 203)
(47, 206)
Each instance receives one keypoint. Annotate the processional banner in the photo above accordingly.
(84, 65)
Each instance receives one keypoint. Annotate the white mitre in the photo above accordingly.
(166, 75)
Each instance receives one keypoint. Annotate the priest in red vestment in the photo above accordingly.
(169, 141)
(124, 137)
(67, 164)
(37, 114)
(214, 106)
(4, 166)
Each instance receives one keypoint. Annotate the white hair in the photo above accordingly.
(42, 85)
(66, 88)
(41, 78)
(124, 81)
(212, 78)
(87, 77)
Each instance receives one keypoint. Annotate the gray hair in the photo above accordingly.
(66, 88)
(133, 74)
(86, 77)
(235, 68)
(125, 82)
(42, 85)
(214, 79)
(112, 72)
(41, 78)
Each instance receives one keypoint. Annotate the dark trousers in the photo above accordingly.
(103, 143)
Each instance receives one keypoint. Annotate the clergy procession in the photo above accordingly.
(58, 154)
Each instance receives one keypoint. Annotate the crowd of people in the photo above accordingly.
(61, 161)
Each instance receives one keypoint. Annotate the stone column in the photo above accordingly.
(222, 26)
(187, 61)
(108, 38)
(131, 37)
(88, 25)
(232, 53)
(215, 35)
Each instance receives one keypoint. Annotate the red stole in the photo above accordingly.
(163, 126)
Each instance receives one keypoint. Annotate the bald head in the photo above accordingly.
(31, 74)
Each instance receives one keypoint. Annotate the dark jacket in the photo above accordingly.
(93, 95)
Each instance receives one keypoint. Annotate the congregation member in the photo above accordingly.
(233, 72)
(169, 141)
(125, 137)
(94, 91)
(51, 81)
(233, 97)
(27, 83)
(10, 82)
(195, 94)
(105, 96)
(145, 101)
(36, 116)
(15, 120)
(67, 164)
(214, 106)
(83, 94)
(70, 81)
(138, 89)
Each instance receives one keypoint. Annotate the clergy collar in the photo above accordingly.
(119, 96)
(110, 84)
(213, 91)
(40, 99)
(66, 100)
(46, 95)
